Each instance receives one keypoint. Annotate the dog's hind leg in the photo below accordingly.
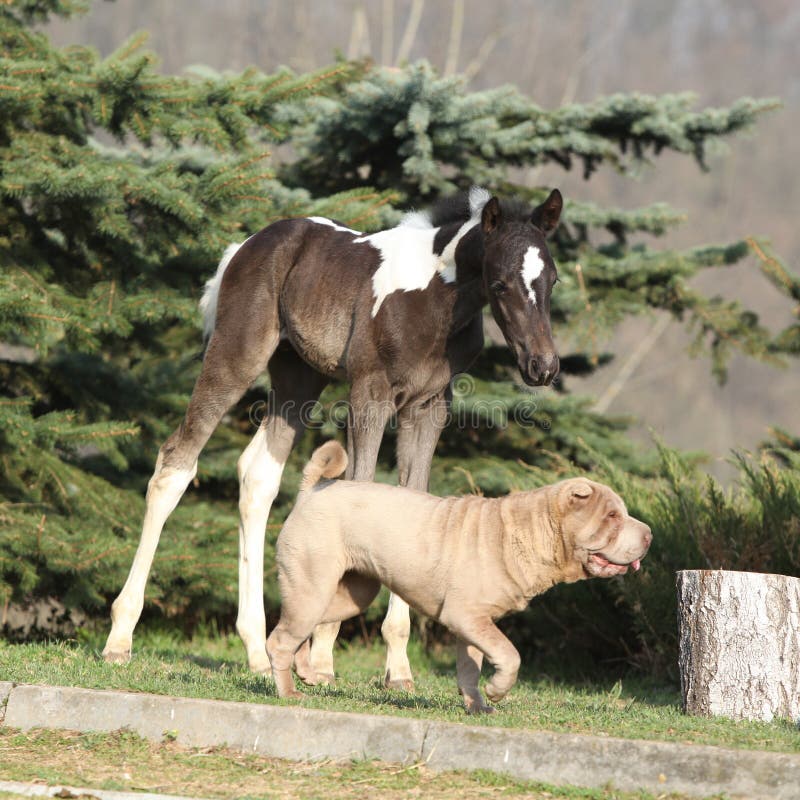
(353, 595)
(228, 369)
(305, 599)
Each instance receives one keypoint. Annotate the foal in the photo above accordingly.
(397, 314)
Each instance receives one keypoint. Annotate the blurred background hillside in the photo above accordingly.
(558, 52)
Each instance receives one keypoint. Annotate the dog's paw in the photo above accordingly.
(292, 694)
(493, 693)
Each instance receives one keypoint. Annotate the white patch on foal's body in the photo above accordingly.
(334, 225)
(408, 261)
(416, 219)
(532, 266)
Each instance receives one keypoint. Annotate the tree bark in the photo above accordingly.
(739, 644)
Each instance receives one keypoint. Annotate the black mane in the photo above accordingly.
(456, 208)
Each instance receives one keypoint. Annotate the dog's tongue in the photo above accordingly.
(636, 565)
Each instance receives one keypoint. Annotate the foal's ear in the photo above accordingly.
(545, 217)
(491, 216)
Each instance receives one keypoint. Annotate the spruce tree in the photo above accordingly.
(119, 189)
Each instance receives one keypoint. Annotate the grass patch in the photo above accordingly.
(214, 668)
(123, 761)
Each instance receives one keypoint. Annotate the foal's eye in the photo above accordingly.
(498, 287)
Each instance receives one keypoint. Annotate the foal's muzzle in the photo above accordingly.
(540, 370)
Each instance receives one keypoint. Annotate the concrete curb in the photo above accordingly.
(61, 791)
(305, 734)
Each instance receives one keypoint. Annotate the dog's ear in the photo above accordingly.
(491, 216)
(546, 216)
(580, 490)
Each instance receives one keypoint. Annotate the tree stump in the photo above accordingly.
(739, 644)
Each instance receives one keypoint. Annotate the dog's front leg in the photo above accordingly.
(484, 635)
(505, 660)
(468, 671)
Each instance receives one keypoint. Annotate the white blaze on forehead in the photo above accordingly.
(532, 266)
(332, 224)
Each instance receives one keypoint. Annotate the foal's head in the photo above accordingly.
(519, 274)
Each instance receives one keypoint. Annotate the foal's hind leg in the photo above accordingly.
(294, 384)
(229, 367)
(419, 429)
(371, 406)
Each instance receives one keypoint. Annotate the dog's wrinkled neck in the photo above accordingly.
(537, 554)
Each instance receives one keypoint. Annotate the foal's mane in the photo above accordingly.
(461, 207)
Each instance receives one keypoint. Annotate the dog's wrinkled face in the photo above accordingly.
(604, 538)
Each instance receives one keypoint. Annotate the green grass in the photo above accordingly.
(123, 761)
(215, 668)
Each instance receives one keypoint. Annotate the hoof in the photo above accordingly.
(116, 656)
(399, 684)
(260, 665)
(480, 709)
(317, 679)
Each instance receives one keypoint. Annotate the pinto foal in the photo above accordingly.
(396, 313)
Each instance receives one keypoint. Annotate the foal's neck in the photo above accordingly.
(471, 295)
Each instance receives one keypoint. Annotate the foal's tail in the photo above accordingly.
(327, 461)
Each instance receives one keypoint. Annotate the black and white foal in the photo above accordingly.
(397, 314)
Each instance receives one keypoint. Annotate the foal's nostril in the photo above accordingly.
(551, 363)
(545, 366)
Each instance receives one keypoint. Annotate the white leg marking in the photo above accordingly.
(395, 630)
(259, 480)
(163, 493)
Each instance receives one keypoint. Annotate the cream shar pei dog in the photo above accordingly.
(466, 561)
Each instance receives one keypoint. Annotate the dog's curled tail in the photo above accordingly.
(327, 461)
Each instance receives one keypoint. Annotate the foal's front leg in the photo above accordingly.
(370, 409)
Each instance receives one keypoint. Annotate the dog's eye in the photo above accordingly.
(498, 287)
(612, 515)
